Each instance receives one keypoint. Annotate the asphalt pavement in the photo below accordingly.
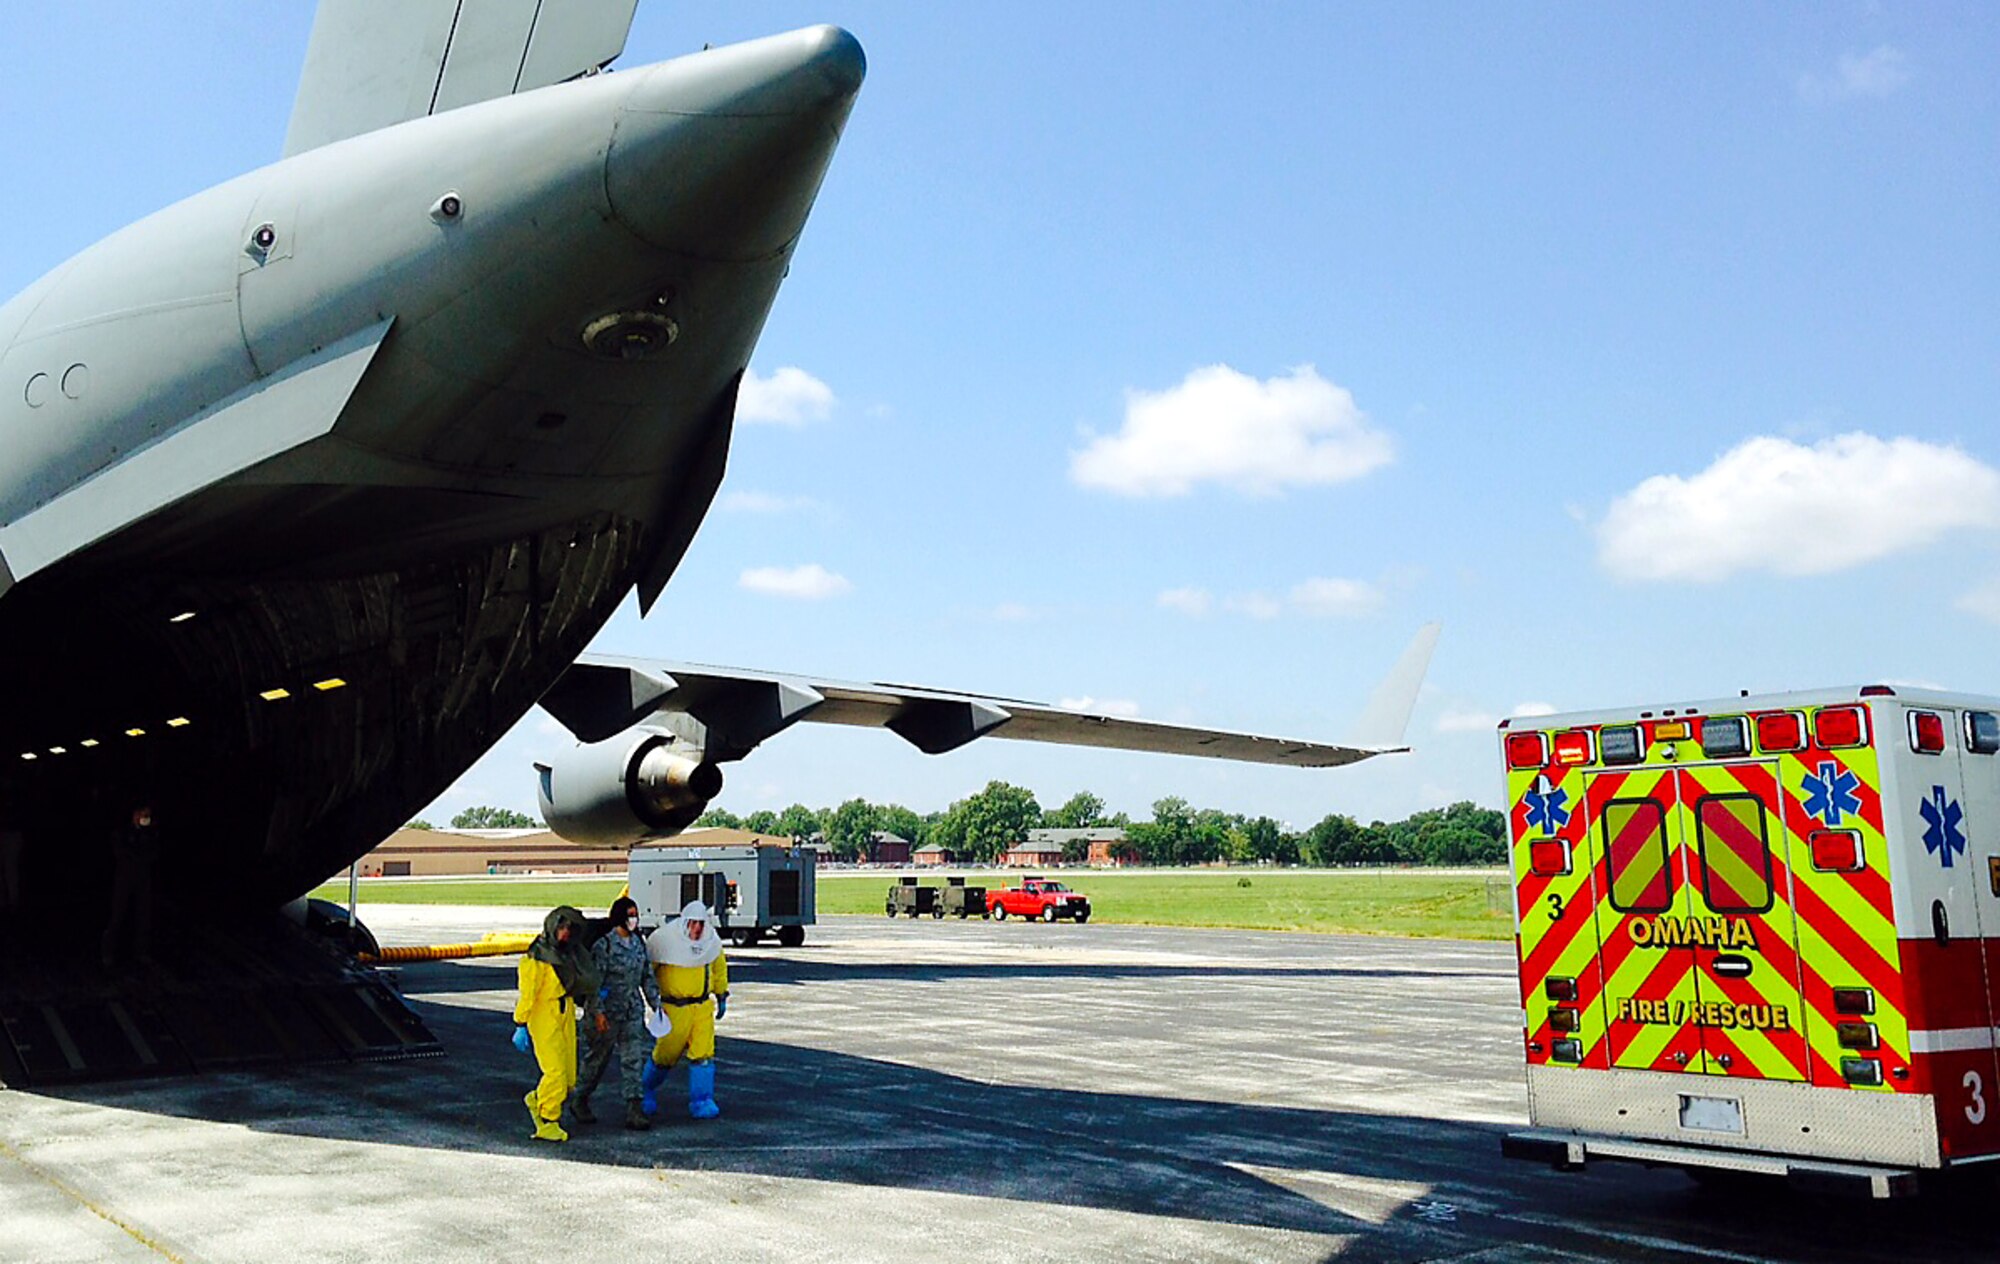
(919, 1091)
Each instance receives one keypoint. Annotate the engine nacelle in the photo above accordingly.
(644, 783)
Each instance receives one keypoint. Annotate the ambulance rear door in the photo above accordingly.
(1748, 1004)
(1639, 840)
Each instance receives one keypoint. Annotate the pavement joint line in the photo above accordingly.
(1645, 1240)
(89, 1204)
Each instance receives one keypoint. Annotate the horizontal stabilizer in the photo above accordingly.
(375, 63)
(298, 403)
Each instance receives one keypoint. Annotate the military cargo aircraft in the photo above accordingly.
(312, 484)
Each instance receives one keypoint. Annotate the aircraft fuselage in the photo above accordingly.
(411, 413)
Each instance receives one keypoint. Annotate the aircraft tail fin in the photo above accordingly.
(375, 63)
(1387, 716)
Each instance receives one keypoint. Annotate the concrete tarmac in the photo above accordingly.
(922, 1091)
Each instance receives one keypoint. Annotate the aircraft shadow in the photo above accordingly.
(799, 1112)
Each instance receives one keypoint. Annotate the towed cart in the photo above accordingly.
(755, 889)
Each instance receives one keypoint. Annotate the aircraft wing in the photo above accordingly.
(375, 63)
(601, 696)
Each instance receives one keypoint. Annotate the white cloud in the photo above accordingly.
(1257, 605)
(1466, 722)
(1983, 601)
(1013, 612)
(763, 503)
(1101, 706)
(789, 397)
(1879, 72)
(811, 582)
(1189, 601)
(1222, 426)
(1323, 598)
(1335, 598)
(1772, 505)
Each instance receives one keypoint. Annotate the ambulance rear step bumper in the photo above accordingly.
(1570, 1151)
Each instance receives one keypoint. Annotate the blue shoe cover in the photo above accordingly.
(650, 1080)
(701, 1091)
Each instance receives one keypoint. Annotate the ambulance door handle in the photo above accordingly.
(1726, 1061)
(1681, 1057)
(1730, 965)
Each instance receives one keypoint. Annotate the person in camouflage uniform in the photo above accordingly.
(615, 1021)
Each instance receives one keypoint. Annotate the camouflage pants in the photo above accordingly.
(628, 1039)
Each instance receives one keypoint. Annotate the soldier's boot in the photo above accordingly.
(580, 1108)
(636, 1117)
(650, 1080)
(701, 1090)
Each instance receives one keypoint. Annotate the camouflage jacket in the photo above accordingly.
(627, 974)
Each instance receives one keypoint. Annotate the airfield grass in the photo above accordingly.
(1404, 903)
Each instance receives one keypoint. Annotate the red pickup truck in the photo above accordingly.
(1038, 897)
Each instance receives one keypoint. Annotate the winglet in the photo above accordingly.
(1387, 716)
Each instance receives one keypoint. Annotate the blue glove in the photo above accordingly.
(721, 1006)
(521, 1040)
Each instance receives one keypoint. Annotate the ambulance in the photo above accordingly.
(1761, 934)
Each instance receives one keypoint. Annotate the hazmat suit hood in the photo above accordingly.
(573, 966)
(671, 944)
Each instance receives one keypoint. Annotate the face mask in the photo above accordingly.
(632, 923)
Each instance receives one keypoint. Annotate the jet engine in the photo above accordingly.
(644, 783)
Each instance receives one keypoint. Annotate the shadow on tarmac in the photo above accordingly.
(1390, 1187)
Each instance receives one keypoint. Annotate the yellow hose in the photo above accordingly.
(493, 944)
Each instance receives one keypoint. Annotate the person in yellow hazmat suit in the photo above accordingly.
(556, 973)
(694, 992)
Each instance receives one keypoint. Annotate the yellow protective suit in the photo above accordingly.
(550, 1017)
(687, 993)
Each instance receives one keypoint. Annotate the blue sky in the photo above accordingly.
(1653, 351)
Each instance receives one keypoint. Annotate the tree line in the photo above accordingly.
(983, 826)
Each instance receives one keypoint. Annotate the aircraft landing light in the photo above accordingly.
(329, 684)
(182, 617)
(178, 722)
(58, 750)
(29, 755)
(275, 695)
(135, 732)
(90, 743)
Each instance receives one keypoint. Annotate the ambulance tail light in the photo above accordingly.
(1785, 731)
(1573, 747)
(1836, 851)
(1620, 745)
(1725, 737)
(1927, 732)
(1865, 1072)
(1858, 1036)
(1982, 732)
(1571, 1051)
(1672, 731)
(1558, 988)
(1854, 1000)
(1548, 857)
(1564, 1019)
(1527, 750)
(1836, 727)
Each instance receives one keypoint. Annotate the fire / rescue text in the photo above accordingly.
(1634, 1009)
(1692, 932)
